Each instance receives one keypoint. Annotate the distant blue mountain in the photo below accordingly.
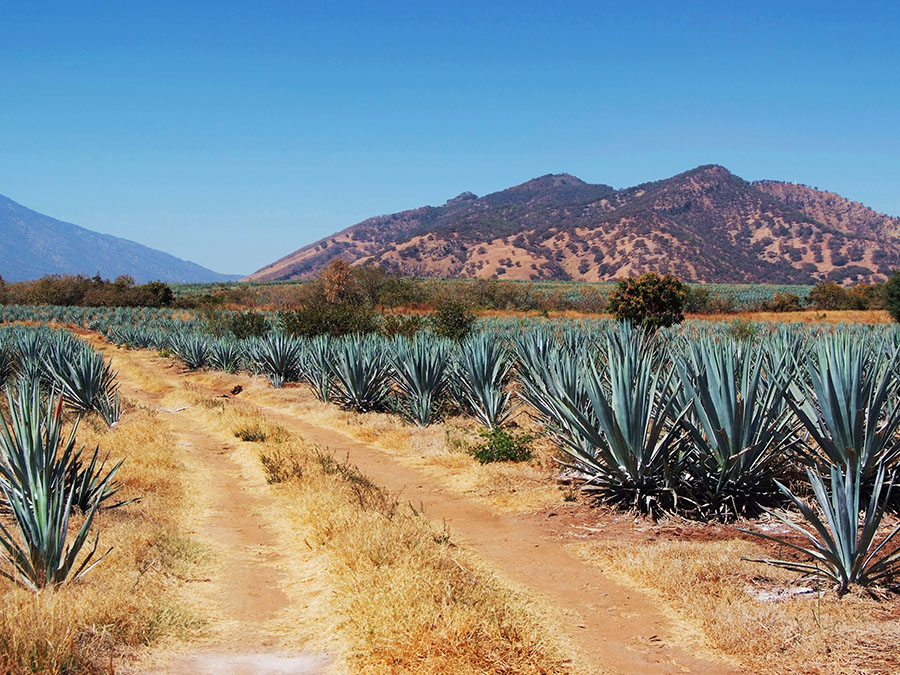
(33, 245)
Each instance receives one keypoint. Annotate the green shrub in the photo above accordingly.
(827, 295)
(501, 445)
(253, 433)
(325, 318)
(892, 295)
(406, 325)
(651, 300)
(782, 302)
(248, 324)
(453, 320)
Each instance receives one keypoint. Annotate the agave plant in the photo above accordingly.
(481, 379)
(740, 425)
(31, 348)
(225, 355)
(33, 472)
(192, 350)
(361, 374)
(629, 438)
(851, 404)
(89, 484)
(84, 379)
(317, 372)
(278, 357)
(420, 373)
(842, 548)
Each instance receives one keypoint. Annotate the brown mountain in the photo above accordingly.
(702, 225)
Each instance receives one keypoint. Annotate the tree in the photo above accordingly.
(453, 320)
(827, 295)
(892, 295)
(337, 281)
(651, 300)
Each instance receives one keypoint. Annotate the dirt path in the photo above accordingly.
(245, 593)
(614, 627)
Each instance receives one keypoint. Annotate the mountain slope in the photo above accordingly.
(32, 245)
(702, 225)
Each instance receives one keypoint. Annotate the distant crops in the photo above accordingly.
(569, 293)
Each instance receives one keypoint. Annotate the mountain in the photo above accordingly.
(705, 224)
(33, 245)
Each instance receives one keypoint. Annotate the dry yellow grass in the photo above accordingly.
(439, 450)
(402, 596)
(131, 598)
(714, 597)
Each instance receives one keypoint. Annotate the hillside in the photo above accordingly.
(33, 245)
(702, 225)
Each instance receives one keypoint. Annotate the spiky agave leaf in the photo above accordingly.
(226, 355)
(361, 373)
(33, 474)
(481, 379)
(278, 357)
(317, 370)
(420, 373)
(85, 381)
(851, 404)
(629, 437)
(740, 424)
(192, 350)
(843, 549)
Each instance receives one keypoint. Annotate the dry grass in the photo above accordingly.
(714, 597)
(878, 316)
(130, 599)
(439, 450)
(401, 596)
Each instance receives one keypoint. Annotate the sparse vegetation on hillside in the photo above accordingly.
(702, 224)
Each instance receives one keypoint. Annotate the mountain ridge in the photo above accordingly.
(33, 245)
(704, 224)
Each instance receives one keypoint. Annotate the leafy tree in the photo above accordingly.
(651, 300)
(453, 320)
(329, 318)
(248, 324)
(337, 280)
(892, 295)
(827, 295)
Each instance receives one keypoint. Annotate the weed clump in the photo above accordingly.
(501, 445)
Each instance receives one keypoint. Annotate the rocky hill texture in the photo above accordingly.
(706, 224)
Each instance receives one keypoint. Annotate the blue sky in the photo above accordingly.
(233, 133)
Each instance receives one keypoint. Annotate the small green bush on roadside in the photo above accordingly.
(501, 445)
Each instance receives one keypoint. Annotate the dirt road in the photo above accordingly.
(615, 628)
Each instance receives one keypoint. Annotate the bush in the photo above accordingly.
(406, 325)
(827, 295)
(324, 318)
(502, 446)
(651, 300)
(782, 302)
(892, 295)
(248, 324)
(453, 320)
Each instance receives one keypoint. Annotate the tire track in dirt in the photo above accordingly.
(615, 628)
(246, 590)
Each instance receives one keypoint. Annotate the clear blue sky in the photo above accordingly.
(233, 133)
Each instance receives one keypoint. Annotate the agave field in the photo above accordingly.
(44, 477)
(798, 421)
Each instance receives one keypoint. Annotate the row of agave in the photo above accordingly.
(705, 426)
(62, 363)
(44, 478)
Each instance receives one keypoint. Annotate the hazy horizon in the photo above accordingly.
(231, 137)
